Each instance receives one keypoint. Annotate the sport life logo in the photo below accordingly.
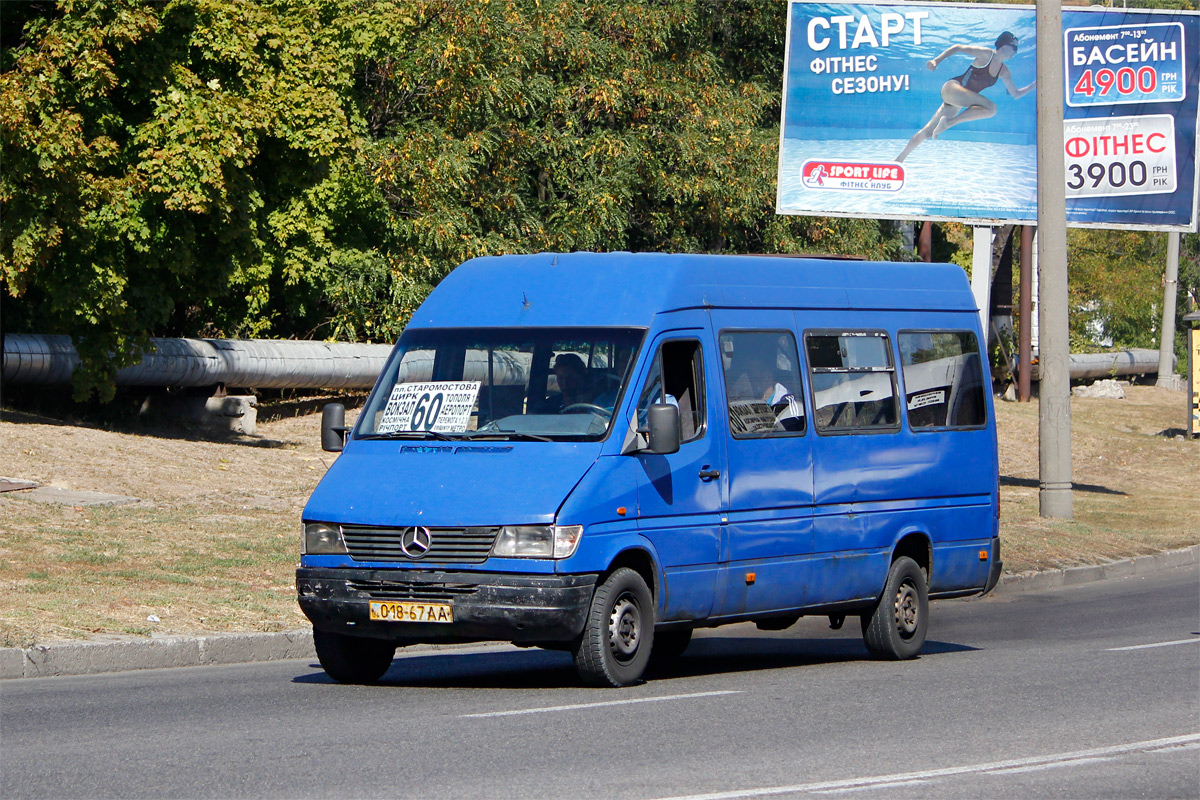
(853, 175)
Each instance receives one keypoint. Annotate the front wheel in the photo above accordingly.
(895, 630)
(619, 633)
(352, 659)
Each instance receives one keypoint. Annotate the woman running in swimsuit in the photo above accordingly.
(961, 98)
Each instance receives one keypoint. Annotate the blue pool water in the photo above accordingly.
(943, 178)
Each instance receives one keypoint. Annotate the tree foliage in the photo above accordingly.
(583, 126)
(1116, 288)
(284, 168)
(176, 168)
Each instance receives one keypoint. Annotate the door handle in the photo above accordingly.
(709, 474)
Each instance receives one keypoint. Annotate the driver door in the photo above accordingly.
(681, 496)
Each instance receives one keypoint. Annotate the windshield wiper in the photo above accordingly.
(504, 434)
(409, 435)
(523, 437)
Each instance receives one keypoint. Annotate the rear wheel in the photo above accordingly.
(619, 633)
(352, 659)
(896, 628)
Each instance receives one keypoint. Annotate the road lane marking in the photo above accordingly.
(892, 785)
(880, 780)
(577, 706)
(1156, 644)
(1051, 765)
(1173, 748)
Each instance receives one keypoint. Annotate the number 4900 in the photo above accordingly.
(1125, 79)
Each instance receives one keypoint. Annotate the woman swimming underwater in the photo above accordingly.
(961, 98)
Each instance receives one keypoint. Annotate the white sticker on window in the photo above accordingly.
(933, 398)
(443, 407)
(751, 416)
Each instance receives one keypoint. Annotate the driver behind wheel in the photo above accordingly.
(572, 378)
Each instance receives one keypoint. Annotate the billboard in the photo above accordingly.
(928, 111)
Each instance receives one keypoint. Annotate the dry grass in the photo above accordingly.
(213, 544)
(1137, 491)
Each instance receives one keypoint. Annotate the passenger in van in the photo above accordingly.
(763, 381)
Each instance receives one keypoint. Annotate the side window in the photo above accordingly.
(943, 379)
(853, 381)
(677, 377)
(762, 383)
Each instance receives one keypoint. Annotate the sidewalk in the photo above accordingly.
(120, 655)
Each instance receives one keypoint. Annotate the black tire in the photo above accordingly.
(619, 633)
(352, 659)
(670, 644)
(895, 629)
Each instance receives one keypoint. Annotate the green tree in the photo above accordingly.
(279, 168)
(178, 168)
(1116, 288)
(584, 125)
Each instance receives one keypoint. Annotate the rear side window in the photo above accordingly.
(853, 381)
(762, 383)
(943, 379)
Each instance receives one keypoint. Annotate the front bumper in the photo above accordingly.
(486, 606)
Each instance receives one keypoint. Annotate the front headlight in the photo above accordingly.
(537, 541)
(321, 539)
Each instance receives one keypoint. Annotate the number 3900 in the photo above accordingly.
(1116, 174)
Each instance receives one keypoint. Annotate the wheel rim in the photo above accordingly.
(908, 609)
(625, 628)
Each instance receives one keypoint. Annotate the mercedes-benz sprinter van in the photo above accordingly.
(599, 453)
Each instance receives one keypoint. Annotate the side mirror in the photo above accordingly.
(333, 427)
(662, 422)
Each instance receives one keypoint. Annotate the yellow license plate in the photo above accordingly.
(411, 612)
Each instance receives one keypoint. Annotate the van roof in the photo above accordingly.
(627, 289)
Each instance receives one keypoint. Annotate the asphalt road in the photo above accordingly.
(1091, 691)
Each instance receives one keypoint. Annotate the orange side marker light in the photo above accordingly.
(983, 555)
(750, 578)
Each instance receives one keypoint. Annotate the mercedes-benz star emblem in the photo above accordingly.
(415, 542)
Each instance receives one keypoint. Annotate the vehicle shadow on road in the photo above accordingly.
(521, 669)
(715, 655)
(543, 669)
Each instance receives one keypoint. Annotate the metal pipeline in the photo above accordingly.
(246, 363)
(289, 364)
(1134, 361)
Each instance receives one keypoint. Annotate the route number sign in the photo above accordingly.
(443, 407)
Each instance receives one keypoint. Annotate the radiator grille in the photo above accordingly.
(419, 592)
(447, 545)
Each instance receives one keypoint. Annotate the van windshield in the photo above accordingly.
(541, 384)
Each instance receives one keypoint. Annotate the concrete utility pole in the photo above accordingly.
(1054, 389)
(981, 278)
(1025, 309)
(1166, 348)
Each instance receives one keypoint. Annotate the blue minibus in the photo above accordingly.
(600, 453)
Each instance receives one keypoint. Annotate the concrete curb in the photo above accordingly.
(1123, 568)
(94, 657)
